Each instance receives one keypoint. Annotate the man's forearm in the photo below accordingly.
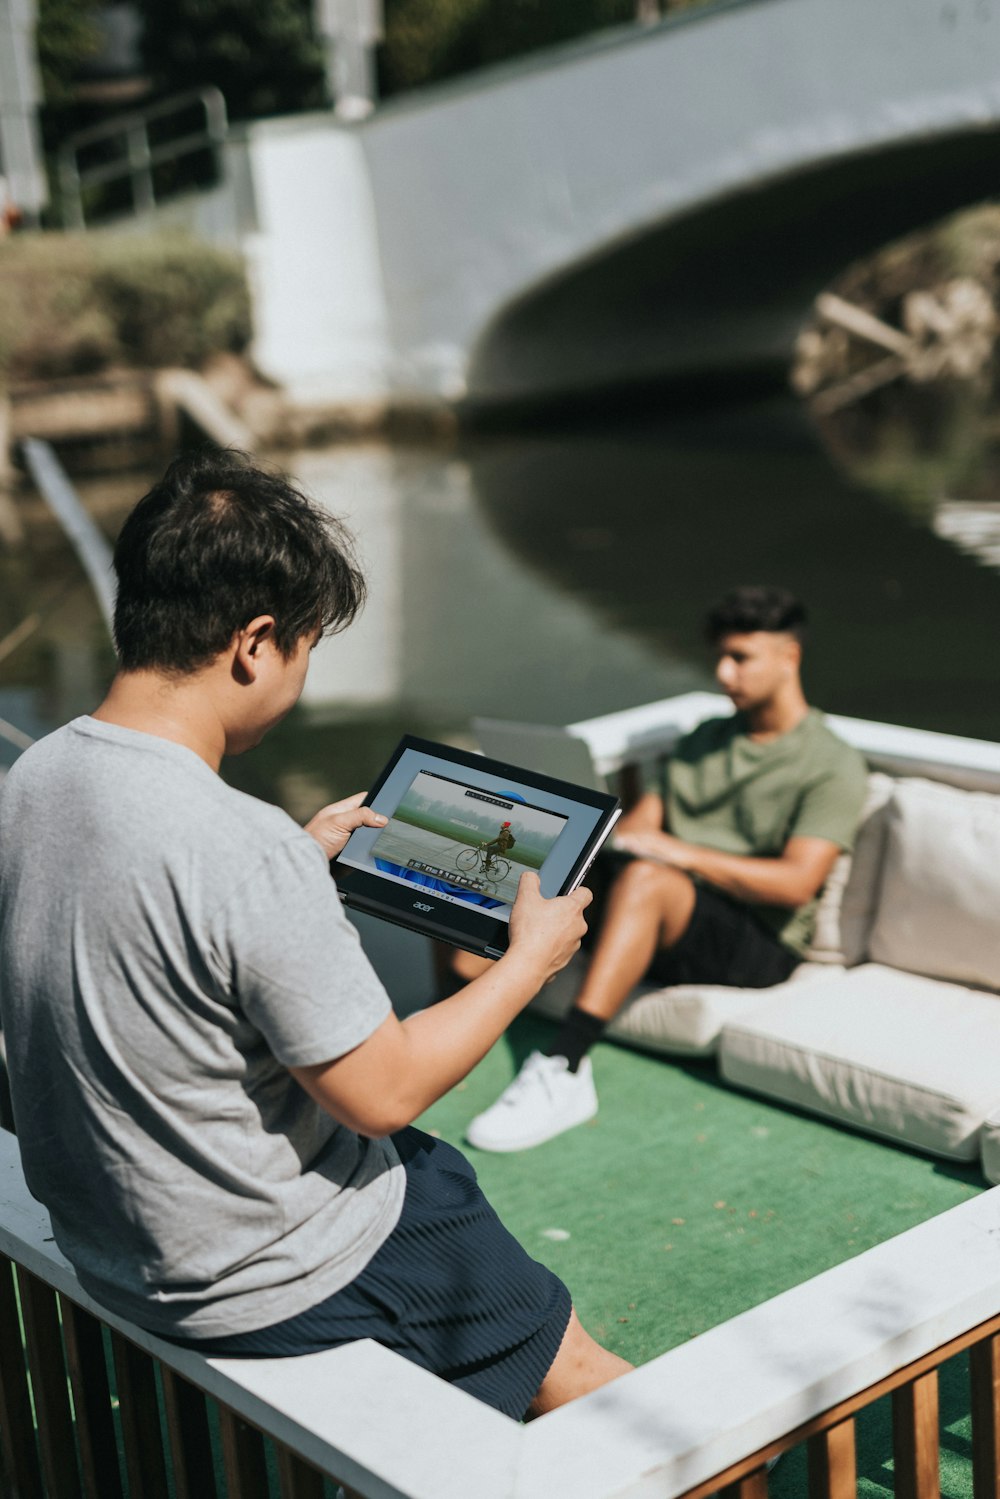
(445, 1041)
(766, 882)
(405, 1066)
(790, 879)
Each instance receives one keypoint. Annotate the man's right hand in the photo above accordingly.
(547, 931)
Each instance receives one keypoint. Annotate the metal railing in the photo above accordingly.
(137, 155)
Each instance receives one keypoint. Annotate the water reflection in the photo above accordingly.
(554, 575)
(904, 623)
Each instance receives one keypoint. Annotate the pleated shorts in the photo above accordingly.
(450, 1290)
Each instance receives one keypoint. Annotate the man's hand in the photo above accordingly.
(652, 844)
(333, 825)
(543, 931)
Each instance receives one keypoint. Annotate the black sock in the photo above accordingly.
(576, 1036)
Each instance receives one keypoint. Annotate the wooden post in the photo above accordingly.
(19, 1470)
(11, 529)
(754, 1486)
(140, 1417)
(833, 1469)
(95, 1427)
(298, 1479)
(243, 1457)
(49, 1387)
(984, 1375)
(915, 1439)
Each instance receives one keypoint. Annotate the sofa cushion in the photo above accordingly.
(684, 1020)
(939, 900)
(847, 906)
(909, 1058)
(991, 1148)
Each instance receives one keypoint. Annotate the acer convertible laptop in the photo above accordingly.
(462, 830)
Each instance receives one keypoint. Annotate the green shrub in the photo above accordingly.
(73, 304)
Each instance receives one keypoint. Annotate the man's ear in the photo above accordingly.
(250, 644)
(795, 652)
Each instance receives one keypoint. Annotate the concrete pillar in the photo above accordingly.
(21, 158)
(350, 30)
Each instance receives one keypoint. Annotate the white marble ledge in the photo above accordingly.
(391, 1430)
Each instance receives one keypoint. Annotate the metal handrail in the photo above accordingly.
(140, 156)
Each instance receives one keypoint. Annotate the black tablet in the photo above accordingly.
(462, 830)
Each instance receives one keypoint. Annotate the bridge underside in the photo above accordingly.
(721, 293)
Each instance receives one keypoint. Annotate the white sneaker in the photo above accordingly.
(543, 1100)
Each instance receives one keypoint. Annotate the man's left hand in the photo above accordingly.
(333, 825)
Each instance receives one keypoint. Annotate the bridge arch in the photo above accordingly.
(720, 292)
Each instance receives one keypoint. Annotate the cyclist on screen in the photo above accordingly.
(499, 845)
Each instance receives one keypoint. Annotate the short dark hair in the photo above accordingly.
(754, 607)
(218, 541)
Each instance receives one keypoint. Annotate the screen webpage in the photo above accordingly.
(467, 843)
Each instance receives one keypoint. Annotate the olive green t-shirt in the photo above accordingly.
(727, 792)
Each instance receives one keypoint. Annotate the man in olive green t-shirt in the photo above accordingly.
(725, 874)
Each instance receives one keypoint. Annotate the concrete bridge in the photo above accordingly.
(659, 203)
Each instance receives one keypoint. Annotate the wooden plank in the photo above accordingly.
(242, 1457)
(95, 1427)
(915, 1439)
(190, 1442)
(753, 1486)
(297, 1479)
(59, 415)
(19, 1469)
(206, 408)
(50, 1387)
(984, 1378)
(833, 1468)
(140, 1417)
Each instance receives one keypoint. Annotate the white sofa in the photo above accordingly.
(893, 1024)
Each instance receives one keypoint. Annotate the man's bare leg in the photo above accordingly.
(581, 1365)
(649, 907)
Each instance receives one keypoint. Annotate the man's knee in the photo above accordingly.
(657, 892)
(643, 878)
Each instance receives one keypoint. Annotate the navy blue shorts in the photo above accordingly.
(450, 1290)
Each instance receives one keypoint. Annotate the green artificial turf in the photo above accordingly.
(685, 1202)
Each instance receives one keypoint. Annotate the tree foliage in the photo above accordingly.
(431, 39)
(265, 57)
(75, 304)
(67, 37)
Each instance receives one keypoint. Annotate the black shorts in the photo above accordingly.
(725, 943)
(450, 1290)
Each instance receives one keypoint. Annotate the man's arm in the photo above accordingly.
(404, 1066)
(791, 879)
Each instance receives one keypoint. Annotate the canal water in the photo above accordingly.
(561, 572)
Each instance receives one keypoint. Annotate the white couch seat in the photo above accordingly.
(896, 1054)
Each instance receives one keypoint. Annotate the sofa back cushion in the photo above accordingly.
(938, 909)
(847, 906)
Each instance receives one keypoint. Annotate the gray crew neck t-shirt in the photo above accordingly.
(168, 947)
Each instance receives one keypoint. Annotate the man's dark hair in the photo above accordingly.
(745, 610)
(217, 542)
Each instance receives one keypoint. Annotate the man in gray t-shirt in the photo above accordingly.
(205, 1071)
